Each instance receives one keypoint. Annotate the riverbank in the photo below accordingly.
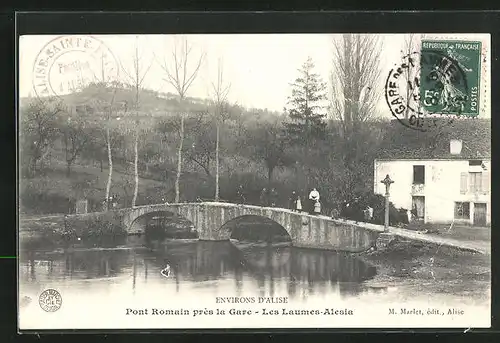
(473, 245)
(430, 268)
(96, 228)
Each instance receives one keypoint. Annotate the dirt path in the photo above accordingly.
(482, 247)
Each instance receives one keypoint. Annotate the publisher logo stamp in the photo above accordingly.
(50, 300)
(70, 63)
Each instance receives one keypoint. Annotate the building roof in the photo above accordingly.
(401, 142)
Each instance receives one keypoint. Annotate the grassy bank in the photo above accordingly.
(63, 230)
(55, 192)
(431, 268)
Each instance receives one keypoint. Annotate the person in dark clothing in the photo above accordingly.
(264, 197)
(356, 210)
(335, 213)
(414, 213)
(292, 201)
(273, 197)
(298, 205)
(241, 195)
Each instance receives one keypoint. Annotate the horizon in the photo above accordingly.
(258, 67)
(386, 118)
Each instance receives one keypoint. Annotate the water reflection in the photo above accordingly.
(263, 268)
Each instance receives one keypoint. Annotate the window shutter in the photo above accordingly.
(486, 183)
(463, 183)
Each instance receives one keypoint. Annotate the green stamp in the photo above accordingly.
(450, 76)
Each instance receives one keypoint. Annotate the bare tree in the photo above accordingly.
(108, 145)
(103, 98)
(115, 84)
(201, 151)
(108, 141)
(268, 144)
(220, 92)
(39, 130)
(355, 92)
(136, 79)
(181, 78)
(76, 136)
(410, 47)
(354, 79)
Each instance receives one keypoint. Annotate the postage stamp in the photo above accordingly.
(450, 77)
(260, 181)
(441, 80)
(69, 63)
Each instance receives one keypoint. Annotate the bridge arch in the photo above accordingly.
(252, 227)
(169, 221)
(305, 230)
(209, 219)
(131, 218)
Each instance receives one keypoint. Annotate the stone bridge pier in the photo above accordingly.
(305, 230)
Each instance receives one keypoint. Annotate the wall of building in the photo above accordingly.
(442, 188)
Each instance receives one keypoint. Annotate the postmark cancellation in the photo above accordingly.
(69, 63)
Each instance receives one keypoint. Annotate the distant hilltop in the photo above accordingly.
(151, 103)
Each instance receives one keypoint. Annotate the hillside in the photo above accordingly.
(94, 100)
(254, 152)
(55, 188)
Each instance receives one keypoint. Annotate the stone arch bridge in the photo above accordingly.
(305, 230)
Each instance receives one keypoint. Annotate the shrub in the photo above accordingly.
(356, 207)
(93, 224)
(36, 200)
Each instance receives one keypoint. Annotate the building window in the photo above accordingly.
(418, 175)
(475, 162)
(462, 210)
(475, 182)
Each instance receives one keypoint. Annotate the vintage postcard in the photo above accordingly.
(254, 181)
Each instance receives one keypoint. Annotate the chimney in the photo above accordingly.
(455, 146)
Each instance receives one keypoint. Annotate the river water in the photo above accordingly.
(110, 284)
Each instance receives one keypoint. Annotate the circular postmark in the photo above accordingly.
(427, 90)
(70, 63)
(50, 300)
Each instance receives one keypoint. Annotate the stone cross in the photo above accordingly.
(387, 182)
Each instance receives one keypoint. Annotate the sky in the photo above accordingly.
(259, 67)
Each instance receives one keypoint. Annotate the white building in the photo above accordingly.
(439, 190)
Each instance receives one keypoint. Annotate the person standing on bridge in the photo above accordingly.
(313, 199)
(368, 213)
(273, 197)
(335, 212)
(241, 195)
(317, 207)
(116, 200)
(292, 201)
(298, 205)
(263, 197)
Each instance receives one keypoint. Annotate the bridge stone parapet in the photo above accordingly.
(305, 230)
